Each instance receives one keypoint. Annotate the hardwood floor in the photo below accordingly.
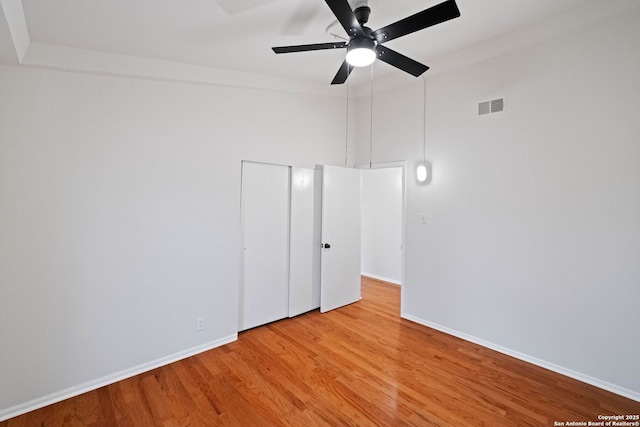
(359, 365)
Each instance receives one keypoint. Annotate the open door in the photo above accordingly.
(340, 270)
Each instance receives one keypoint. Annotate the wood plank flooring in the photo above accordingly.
(361, 365)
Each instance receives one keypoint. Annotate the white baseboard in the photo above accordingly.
(384, 279)
(61, 395)
(631, 394)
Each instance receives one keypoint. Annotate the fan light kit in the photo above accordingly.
(361, 52)
(365, 45)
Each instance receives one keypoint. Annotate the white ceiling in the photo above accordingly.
(238, 34)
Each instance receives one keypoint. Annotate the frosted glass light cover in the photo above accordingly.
(421, 172)
(361, 57)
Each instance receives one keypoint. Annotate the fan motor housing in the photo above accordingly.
(362, 14)
(362, 43)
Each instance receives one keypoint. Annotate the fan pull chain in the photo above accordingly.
(346, 137)
(371, 120)
(424, 118)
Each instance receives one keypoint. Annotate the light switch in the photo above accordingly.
(422, 218)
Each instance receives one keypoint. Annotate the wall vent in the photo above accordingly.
(484, 108)
(497, 105)
(490, 107)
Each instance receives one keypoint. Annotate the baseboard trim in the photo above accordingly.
(631, 394)
(384, 279)
(61, 395)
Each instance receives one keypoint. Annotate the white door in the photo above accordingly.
(264, 287)
(304, 243)
(340, 270)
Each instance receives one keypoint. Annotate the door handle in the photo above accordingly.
(326, 245)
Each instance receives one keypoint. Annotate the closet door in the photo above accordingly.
(264, 286)
(304, 270)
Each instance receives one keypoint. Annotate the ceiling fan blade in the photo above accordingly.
(308, 47)
(400, 61)
(346, 17)
(342, 74)
(434, 15)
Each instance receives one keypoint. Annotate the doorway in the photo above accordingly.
(383, 222)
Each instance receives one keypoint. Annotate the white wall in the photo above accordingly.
(382, 223)
(532, 241)
(120, 218)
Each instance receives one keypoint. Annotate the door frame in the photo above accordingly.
(401, 164)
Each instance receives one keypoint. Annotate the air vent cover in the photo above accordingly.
(497, 105)
(490, 107)
(484, 108)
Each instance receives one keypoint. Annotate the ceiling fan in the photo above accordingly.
(365, 45)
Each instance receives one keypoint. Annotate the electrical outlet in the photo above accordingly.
(199, 323)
